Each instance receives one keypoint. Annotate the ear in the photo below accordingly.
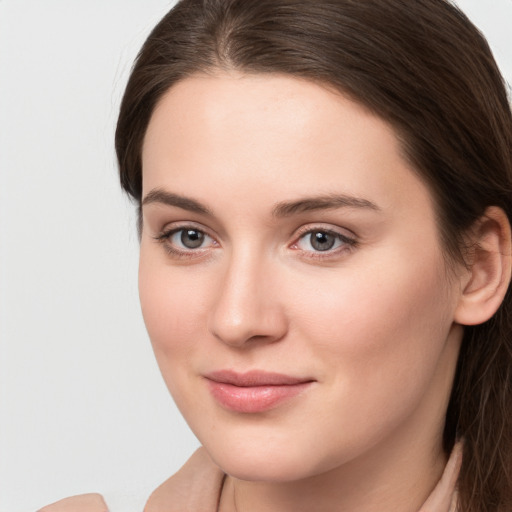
(488, 277)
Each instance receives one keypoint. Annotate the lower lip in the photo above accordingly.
(254, 399)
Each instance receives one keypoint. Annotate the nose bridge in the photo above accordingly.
(246, 306)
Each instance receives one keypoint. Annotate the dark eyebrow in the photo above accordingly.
(287, 208)
(282, 209)
(158, 195)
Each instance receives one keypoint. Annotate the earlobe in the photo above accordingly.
(489, 272)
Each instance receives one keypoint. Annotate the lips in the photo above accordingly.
(254, 391)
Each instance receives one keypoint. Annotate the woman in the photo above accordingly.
(324, 191)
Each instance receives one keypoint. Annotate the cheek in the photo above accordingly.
(380, 330)
(174, 308)
(377, 294)
(383, 312)
(165, 307)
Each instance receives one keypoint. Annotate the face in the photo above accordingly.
(291, 276)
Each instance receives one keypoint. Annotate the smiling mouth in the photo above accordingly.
(255, 391)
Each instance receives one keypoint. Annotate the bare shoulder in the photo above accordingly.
(83, 503)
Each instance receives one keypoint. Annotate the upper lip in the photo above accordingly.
(255, 378)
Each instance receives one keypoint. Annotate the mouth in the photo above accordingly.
(255, 391)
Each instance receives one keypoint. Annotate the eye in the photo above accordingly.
(183, 241)
(323, 240)
(189, 238)
(319, 240)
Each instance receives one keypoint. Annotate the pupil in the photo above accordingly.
(192, 238)
(322, 241)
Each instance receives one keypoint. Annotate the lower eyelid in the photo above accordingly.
(169, 232)
(331, 254)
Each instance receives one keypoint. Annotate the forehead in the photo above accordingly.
(274, 134)
(237, 105)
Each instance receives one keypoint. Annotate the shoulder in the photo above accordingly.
(196, 486)
(83, 503)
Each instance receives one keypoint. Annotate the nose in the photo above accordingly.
(248, 307)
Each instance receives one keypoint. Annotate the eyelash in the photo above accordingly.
(348, 243)
(165, 236)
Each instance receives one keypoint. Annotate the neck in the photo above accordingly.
(373, 483)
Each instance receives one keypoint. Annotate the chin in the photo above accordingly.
(264, 462)
(260, 469)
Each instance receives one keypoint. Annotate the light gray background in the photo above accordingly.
(82, 405)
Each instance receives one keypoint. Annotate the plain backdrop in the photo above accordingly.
(82, 405)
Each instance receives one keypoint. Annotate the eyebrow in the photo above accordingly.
(161, 196)
(323, 202)
(282, 209)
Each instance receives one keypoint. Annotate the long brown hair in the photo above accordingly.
(422, 66)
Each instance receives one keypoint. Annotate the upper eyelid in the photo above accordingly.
(172, 231)
(174, 227)
(308, 228)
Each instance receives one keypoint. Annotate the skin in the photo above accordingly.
(372, 323)
(84, 503)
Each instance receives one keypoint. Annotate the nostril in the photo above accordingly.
(254, 329)
(263, 338)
